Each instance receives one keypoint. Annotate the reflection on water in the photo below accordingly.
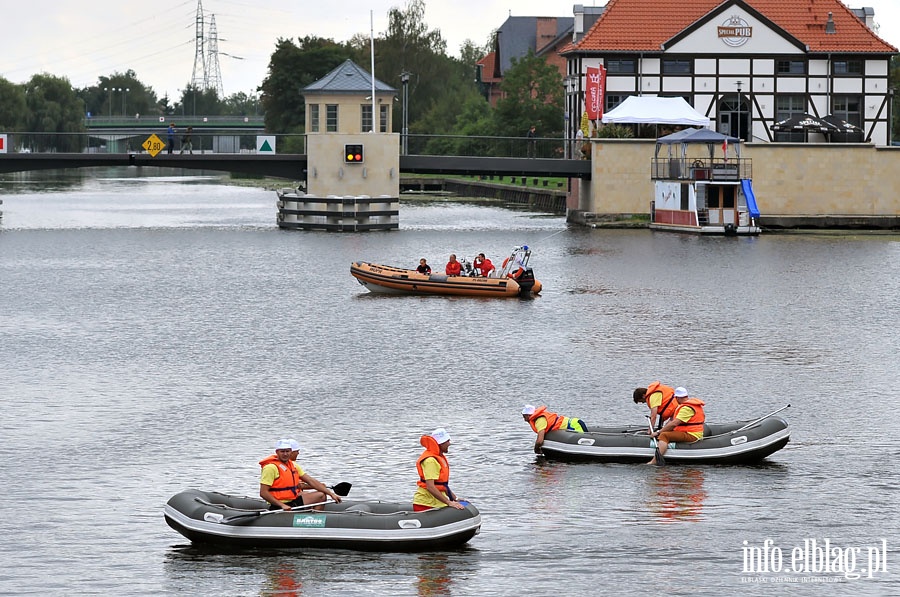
(434, 575)
(676, 494)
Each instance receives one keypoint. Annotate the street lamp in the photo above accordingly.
(404, 143)
(110, 90)
(124, 93)
(739, 110)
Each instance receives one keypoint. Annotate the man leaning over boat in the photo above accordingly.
(660, 399)
(685, 427)
(541, 421)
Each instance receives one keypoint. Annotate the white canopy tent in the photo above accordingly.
(655, 110)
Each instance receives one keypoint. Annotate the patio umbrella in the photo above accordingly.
(804, 122)
(842, 125)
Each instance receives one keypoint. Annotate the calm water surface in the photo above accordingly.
(161, 333)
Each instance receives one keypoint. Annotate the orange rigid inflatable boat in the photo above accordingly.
(394, 280)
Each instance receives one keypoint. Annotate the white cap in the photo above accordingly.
(284, 444)
(440, 435)
(528, 410)
(295, 445)
(680, 392)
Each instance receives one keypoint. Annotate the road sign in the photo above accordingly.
(3, 143)
(153, 145)
(265, 144)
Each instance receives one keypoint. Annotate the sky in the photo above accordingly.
(85, 40)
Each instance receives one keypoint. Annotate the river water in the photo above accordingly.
(160, 333)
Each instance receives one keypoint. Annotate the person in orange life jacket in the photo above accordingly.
(686, 426)
(423, 268)
(280, 481)
(660, 399)
(541, 421)
(454, 267)
(434, 474)
(483, 266)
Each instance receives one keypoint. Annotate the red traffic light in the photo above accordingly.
(353, 153)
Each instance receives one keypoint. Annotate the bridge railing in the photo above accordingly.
(229, 141)
(506, 147)
(221, 141)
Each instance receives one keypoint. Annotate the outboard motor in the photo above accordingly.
(730, 230)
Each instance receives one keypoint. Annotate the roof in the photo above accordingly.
(347, 78)
(696, 136)
(655, 110)
(639, 25)
(517, 35)
(487, 68)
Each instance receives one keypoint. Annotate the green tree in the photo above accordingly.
(13, 109)
(198, 102)
(120, 95)
(291, 68)
(533, 96)
(241, 104)
(53, 107)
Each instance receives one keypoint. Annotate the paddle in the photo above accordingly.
(660, 461)
(342, 489)
(752, 423)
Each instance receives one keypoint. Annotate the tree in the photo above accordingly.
(53, 107)
(119, 95)
(291, 68)
(533, 96)
(195, 101)
(13, 109)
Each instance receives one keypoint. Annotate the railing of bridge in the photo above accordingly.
(231, 141)
(506, 147)
(220, 141)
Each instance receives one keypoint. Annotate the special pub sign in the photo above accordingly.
(735, 31)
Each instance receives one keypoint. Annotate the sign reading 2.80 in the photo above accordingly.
(153, 145)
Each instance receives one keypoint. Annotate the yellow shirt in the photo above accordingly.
(423, 497)
(684, 415)
(655, 400)
(270, 473)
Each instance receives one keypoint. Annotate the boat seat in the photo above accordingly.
(359, 508)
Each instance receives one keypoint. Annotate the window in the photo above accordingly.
(848, 107)
(614, 100)
(788, 106)
(384, 118)
(314, 118)
(366, 123)
(847, 67)
(331, 118)
(790, 67)
(621, 66)
(677, 67)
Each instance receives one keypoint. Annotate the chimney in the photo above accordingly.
(578, 28)
(829, 26)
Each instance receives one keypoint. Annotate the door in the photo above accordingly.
(734, 117)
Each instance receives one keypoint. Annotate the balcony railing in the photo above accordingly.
(715, 169)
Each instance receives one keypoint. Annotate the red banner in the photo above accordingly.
(595, 92)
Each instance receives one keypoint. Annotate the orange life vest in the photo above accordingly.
(669, 405)
(554, 421)
(286, 486)
(695, 423)
(433, 450)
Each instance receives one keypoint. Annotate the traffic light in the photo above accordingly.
(353, 153)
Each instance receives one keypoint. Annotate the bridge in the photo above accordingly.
(510, 161)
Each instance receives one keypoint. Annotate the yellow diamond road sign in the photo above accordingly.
(153, 145)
